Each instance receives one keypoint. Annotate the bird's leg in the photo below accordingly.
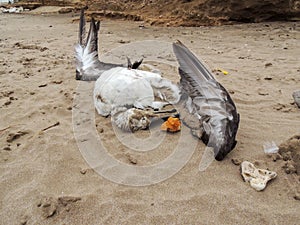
(164, 114)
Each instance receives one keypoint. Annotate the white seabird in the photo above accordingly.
(121, 91)
(124, 93)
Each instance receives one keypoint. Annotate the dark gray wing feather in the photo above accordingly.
(82, 29)
(209, 100)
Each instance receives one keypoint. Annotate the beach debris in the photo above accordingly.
(53, 125)
(221, 71)
(12, 9)
(296, 96)
(257, 178)
(173, 124)
(270, 147)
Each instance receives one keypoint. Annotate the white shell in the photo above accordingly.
(258, 178)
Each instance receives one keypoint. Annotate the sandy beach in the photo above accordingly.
(44, 177)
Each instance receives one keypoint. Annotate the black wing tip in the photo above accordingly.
(178, 43)
(95, 24)
(82, 14)
(135, 65)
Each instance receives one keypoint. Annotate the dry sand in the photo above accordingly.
(44, 178)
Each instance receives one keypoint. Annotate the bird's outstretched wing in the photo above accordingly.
(209, 100)
(88, 65)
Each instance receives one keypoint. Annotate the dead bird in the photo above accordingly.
(124, 92)
(120, 88)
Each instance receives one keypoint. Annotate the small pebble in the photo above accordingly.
(7, 103)
(263, 93)
(131, 159)
(268, 64)
(297, 196)
(289, 167)
(276, 157)
(236, 161)
(83, 171)
(57, 81)
(123, 42)
(296, 96)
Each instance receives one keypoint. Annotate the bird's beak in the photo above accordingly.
(164, 114)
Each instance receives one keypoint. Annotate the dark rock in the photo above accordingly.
(268, 64)
(296, 96)
(297, 196)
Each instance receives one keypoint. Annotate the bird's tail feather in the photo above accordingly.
(88, 66)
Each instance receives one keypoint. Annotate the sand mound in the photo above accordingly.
(290, 151)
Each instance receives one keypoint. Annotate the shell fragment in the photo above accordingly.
(257, 178)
